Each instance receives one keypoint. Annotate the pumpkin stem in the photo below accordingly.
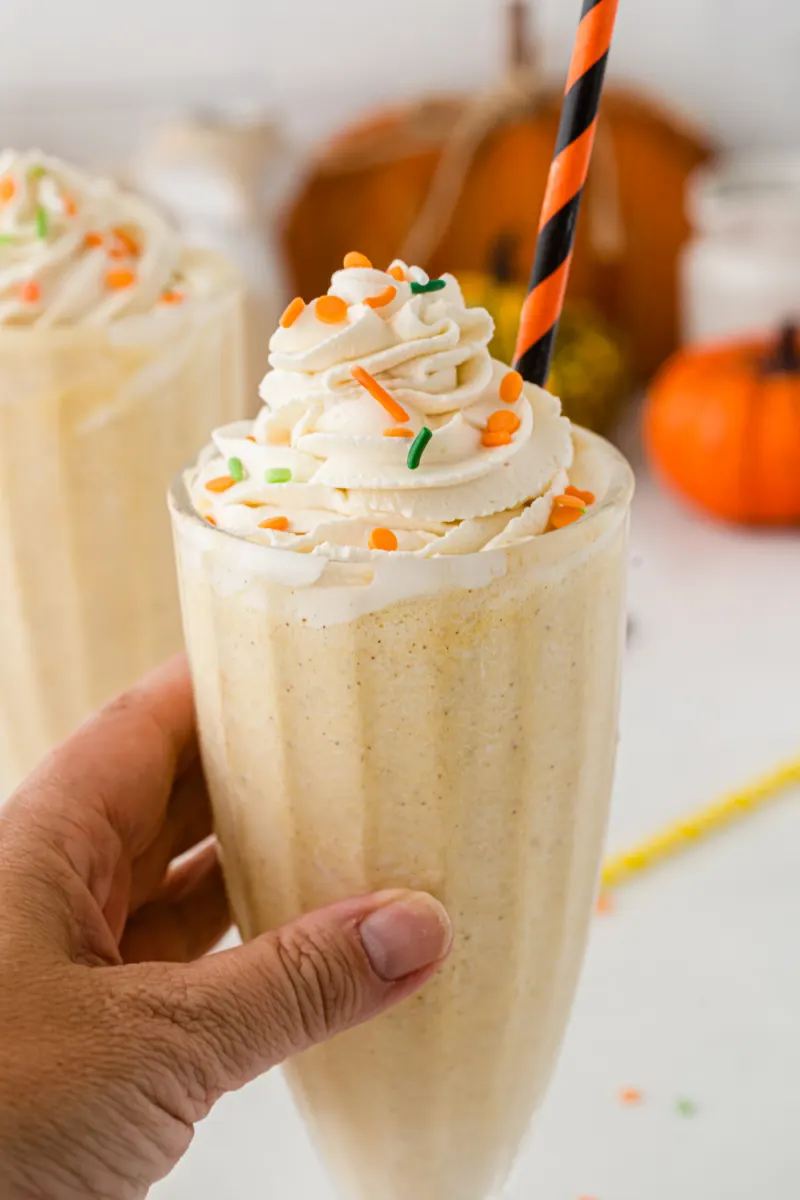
(520, 55)
(786, 359)
(501, 258)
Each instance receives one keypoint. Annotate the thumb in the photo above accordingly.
(246, 1010)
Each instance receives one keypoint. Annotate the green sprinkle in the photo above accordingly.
(236, 469)
(433, 285)
(685, 1108)
(7, 239)
(42, 221)
(417, 447)
(37, 172)
(277, 475)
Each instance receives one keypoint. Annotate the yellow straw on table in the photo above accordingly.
(621, 867)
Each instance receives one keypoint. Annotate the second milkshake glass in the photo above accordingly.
(448, 725)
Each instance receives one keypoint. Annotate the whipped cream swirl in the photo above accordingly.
(78, 250)
(325, 463)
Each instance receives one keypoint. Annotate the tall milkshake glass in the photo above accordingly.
(117, 349)
(408, 677)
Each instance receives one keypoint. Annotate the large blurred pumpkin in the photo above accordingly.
(439, 181)
(722, 426)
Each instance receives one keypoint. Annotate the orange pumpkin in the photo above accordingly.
(442, 181)
(722, 426)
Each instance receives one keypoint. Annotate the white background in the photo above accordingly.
(66, 68)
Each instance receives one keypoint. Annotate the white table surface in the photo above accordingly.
(692, 984)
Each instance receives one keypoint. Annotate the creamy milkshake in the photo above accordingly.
(117, 348)
(406, 659)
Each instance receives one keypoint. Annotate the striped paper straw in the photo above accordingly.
(542, 308)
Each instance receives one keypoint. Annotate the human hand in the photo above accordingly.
(116, 1037)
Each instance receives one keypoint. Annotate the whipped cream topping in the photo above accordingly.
(325, 463)
(75, 249)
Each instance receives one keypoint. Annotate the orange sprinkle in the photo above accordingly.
(249, 438)
(220, 484)
(382, 539)
(604, 904)
(331, 310)
(93, 239)
(631, 1096)
(252, 503)
(354, 259)
(503, 419)
(70, 207)
(127, 243)
(587, 497)
(560, 517)
(406, 433)
(117, 280)
(7, 189)
(170, 296)
(379, 393)
(397, 273)
(382, 299)
(279, 523)
(511, 387)
(292, 312)
(496, 437)
(30, 292)
(569, 502)
(211, 520)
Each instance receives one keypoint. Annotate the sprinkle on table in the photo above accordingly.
(382, 539)
(397, 273)
(281, 524)
(42, 221)
(630, 1096)
(236, 469)
(511, 387)
(8, 189)
(398, 432)
(220, 484)
(417, 448)
(30, 292)
(495, 437)
(433, 285)
(382, 299)
(331, 310)
(379, 393)
(119, 279)
(685, 1107)
(504, 419)
(586, 497)
(277, 475)
(604, 905)
(292, 312)
(355, 259)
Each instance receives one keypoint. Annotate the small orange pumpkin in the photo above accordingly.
(722, 425)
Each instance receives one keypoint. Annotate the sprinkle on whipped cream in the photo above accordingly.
(75, 249)
(327, 468)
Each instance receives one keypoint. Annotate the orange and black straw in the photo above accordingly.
(542, 308)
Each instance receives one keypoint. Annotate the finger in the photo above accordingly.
(243, 1011)
(104, 792)
(186, 920)
(187, 823)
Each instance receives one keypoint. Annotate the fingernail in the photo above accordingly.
(405, 935)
